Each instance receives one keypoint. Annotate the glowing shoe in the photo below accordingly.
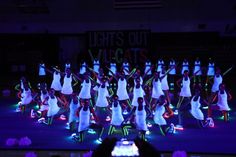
(179, 127)
(176, 112)
(32, 114)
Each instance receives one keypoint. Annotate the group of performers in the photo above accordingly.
(127, 98)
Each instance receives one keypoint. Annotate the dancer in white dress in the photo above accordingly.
(42, 72)
(96, 65)
(195, 108)
(185, 66)
(126, 67)
(148, 65)
(172, 74)
(223, 97)
(122, 87)
(156, 88)
(74, 105)
(26, 97)
(198, 71)
(20, 88)
(160, 63)
(84, 112)
(210, 72)
(102, 101)
(83, 68)
(159, 109)
(54, 103)
(165, 87)
(184, 96)
(42, 101)
(141, 113)
(117, 117)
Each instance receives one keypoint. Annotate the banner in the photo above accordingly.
(108, 46)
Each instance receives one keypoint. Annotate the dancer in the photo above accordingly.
(126, 67)
(54, 102)
(185, 66)
(43, 104)
(26, 97)
(74, 105)
(197, 76)
(42, 72)
(56, 82)
(20, 88)
(160, 63)
(102, 100)
(210, 72)
(122, 87)
(117, 117)
(96, 65)
(165, 89)
(84, 112)
(148, 65)
(172, 73)
(156, 88)
(67, 64)
(83, 68)
(185, 94)
(195, 108)
(140, 117)
(223, 97)
(158, 117)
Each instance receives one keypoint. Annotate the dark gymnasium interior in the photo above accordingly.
(57, 32)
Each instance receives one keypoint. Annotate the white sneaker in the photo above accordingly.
(32, 114)
(41, 120)
(171, 106)
(108, 119)
(176, 112)
(125, 112)
(210, 122)
(18, 109)
(179, 127)
(172, 128)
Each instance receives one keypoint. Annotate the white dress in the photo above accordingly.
(158, 117)
(156, 89)
(44, 106)
(102, 96)
(26, 97)
(185, 66)
(211, 69)
(67, 85)
(147, 67)
(117, 117)
(160, 63)
(113, 68)
(53, 107)
(140, 119)
(164, 82)
(84, 117)
(56, 84)
(137, 92)
(85, 90)
(223, 101)
(217, 82)
(173, 70)
(195, 109)
(121, 90)
(67, 65)
(83, 68)
(185, 89)
(42, 71)
(197, 67)
(73, 109)
(126, 66)
(96, 65)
